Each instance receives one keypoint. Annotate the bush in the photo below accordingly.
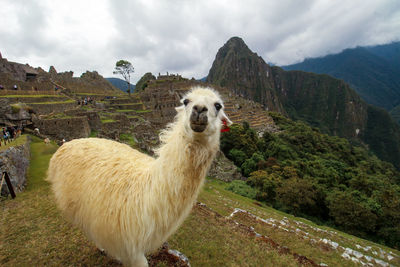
(241, 188)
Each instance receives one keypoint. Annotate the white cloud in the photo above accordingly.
(184, 36)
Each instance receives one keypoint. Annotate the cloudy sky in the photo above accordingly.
(183, 36)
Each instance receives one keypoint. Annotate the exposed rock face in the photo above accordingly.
(321, 100)
(15, 161)
(238, 68)
(224, 169)
(14, 114)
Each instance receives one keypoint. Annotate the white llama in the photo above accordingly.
(129, 203)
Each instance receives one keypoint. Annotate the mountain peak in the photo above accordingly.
(235, 40)
(235, 44)
(238, 68)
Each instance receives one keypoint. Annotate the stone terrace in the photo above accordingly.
(162, 98)
(45, 103)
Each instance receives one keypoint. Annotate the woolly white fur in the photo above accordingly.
(129, 203)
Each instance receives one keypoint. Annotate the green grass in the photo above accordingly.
(33, 233)
(88, 108)
(128, 138)
(107, 120)
(95, 94)
(93, 133)
(124, 110)
(17, 142)
(53, 102)
(29, 96)
(222, 201)
(127, 104)
(143, 111)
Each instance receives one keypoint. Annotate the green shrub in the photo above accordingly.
(241, 188)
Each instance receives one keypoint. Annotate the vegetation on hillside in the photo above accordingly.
(307, 173)
(143, 82)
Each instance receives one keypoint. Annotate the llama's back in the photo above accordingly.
(93, 179)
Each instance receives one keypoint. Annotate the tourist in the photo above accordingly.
(15, 87)
(5, 135)
(1, 87)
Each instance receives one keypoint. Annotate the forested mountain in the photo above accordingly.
(374, 72)
(320, 100)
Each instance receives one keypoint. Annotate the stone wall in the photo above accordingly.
(92, 116)
(68, 128)
(52, 108)
(114, 129)
(15, 161)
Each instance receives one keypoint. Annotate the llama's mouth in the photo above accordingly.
(198, 127)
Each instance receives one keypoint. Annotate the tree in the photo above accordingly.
(125, 68)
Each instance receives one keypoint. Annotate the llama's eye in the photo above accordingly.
(218, 106)
(186, 101)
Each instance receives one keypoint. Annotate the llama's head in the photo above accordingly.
(202, 112)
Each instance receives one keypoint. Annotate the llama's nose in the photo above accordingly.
(199, 114)
(200, 109)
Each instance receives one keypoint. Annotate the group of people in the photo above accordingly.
(85, 101)
(9, 134)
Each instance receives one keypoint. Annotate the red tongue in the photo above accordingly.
(225, 127)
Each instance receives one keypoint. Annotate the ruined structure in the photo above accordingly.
(28, 78)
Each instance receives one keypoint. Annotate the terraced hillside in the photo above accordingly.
(224, 229)
(44, 103)
(163, 97)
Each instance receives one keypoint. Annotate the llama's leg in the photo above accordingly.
(139, 261)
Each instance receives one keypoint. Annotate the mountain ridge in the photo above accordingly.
(319, 99)
(374, 72)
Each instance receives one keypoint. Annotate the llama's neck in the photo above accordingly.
(182, 166)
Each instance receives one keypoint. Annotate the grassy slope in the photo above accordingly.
(17, 142)
(32, 232)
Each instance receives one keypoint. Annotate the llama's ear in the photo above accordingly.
(180, 108)
(225, 118)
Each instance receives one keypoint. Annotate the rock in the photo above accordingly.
(224, 169)
(346, 256)
(15, 161)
